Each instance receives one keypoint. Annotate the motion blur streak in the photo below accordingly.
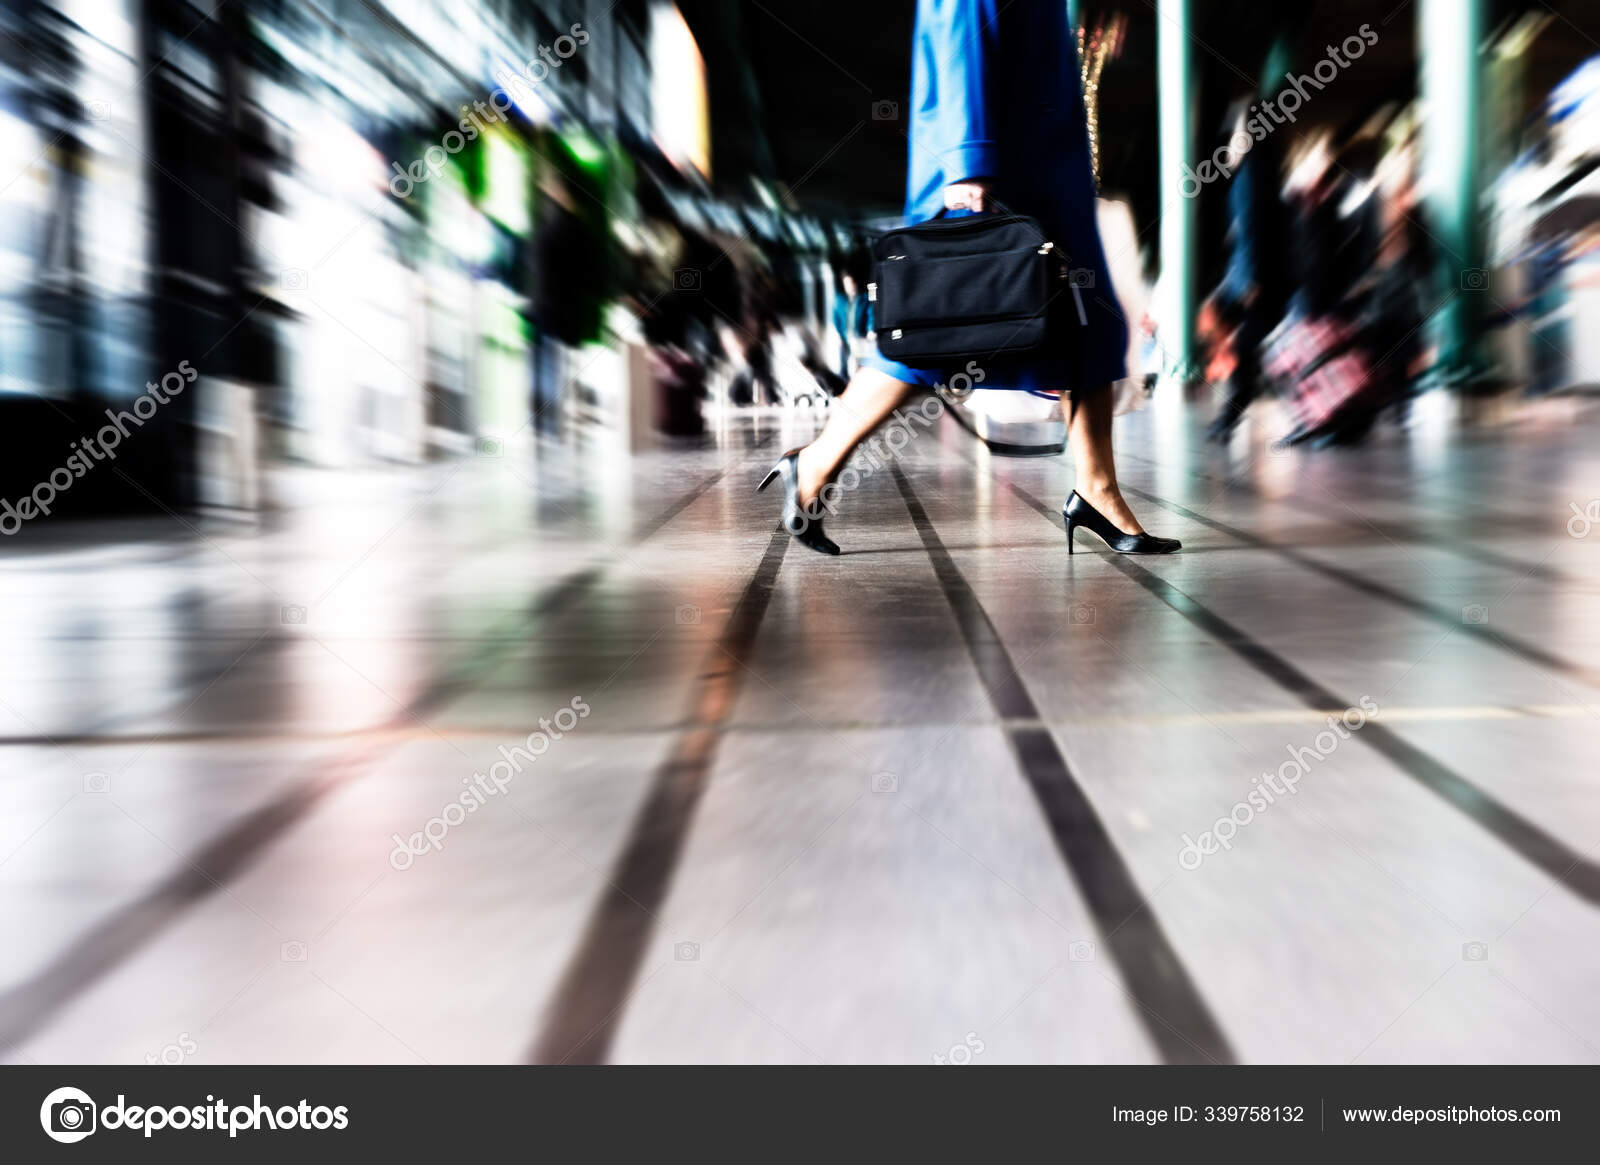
(380, 377)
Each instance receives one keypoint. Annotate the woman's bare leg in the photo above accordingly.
(860, 409)
(873, 396)
(1089, 436)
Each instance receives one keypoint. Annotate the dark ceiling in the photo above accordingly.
(797, 100)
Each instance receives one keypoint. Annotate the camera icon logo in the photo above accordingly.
(293, 613)
(686, 952)
(1475, 613)
(688, 615)
(490, 447)
(293, 951)
(686, 279)
(1080, 277)
(294, 279)
(97, 782)
(99, 110)
(1475, 952)
(1474, 279)
(1081, 951)
(885, 782)
(67, 1115)
(1278, 448)
(1081, 613)
(885, 111)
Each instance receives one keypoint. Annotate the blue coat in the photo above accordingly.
(996, 95)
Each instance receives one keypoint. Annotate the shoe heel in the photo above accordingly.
(772, 476)
(1071, 529)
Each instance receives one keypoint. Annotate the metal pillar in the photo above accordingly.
(1450, 33)
(1175, 76)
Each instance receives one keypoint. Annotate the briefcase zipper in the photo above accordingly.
(967, 222)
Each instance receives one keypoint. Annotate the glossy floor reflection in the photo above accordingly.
(561, 757)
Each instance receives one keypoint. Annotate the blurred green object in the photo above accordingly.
(585, 151)
(1451, 33)
(507, 182)
(574, 256)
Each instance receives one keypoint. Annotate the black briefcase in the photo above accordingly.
(979, 287)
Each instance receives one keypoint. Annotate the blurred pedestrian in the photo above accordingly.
(760, 325)
(851, 317)
(1254, 291)
(1404, 271)
(1326, 356)
(561, 257)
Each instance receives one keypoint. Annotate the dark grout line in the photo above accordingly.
(28, 1006)
(481, 731)
(1548, 853)
(1175, 1015)
(25, 1008)
(652, 527)
(201, 677)
(1527, 652)
(1403, 531)
(588, 1004)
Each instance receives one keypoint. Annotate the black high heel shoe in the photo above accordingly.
(805, 528)
(1077, 512)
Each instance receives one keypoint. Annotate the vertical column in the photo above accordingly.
(600, 97)
(1449, 33)
(1175, 77)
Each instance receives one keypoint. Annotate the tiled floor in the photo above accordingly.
(929, 799)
